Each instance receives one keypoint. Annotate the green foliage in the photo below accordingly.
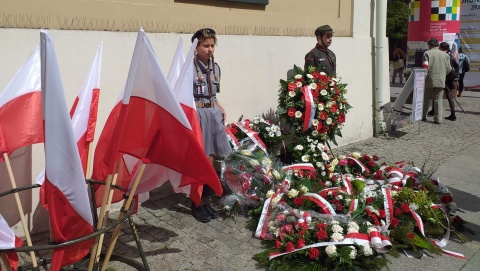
(397, 20)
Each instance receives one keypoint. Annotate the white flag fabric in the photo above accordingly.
(64, 191)
(177, 64)
(7, 237)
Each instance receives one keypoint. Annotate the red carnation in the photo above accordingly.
(369, 200)
(292, 86)
(316, 74)
(366, 157)
(339, 207)
(300, 243)
(323, 130)
(323, 115)
(233, 130)
(341, 118)
(411, 235)
(323, 79)
(291, 111)
(375, 158)
(394, 222)
(313, 253)
(334, 108)
(278, 244)
(397, 211)
(445, 199)
(405, 208)
(298, 201)
(289, 247)
(321, 235)
(371, 163)
(322, 226)
(382, 214)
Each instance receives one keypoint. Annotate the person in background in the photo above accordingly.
(210, 112)
(321, 57)
(463, 62)
(398, 65)
(438, 66)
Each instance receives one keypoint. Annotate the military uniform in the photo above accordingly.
(322, 59)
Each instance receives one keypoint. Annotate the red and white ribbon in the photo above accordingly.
(309, 108)
(347, 185)
(362, 166)
(320, 201)
(232, 139)
(388, 205)
(300, 166)
(253, 136)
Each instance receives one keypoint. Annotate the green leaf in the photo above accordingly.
(297, 70)
(421, 242)
(280, 111)
(359, 185)
(283, 84)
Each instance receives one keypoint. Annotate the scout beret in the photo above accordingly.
(323, 29)
(202, 33)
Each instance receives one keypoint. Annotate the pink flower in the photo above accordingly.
(278, 244)
(343, 162)
(292, 86)
(281, 217)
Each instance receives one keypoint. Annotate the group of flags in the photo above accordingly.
(153, 124)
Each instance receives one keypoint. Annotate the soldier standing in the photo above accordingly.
(321, 57)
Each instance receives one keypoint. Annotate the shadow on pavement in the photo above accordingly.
(467, 202)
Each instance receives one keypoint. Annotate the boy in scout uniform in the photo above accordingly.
(321, 57)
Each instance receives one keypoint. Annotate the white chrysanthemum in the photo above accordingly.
(356, 154)
(309, 139)
(275, 128)
(314, 133)
(320, 146)
(298, 148)
(305, 158)
(267, 129)
(329, 121)
(299, 84)
(340, 197)
(323, 73)
(323, 173)
(323, 92)
(276, 174)
(328, 183)
(337, 228)
(278, 133)
(337, 237)
(353, 252)
(255, 121)
(314, 122)
(309, 76)
(334, 222)
(271, 134)
(315, 155)
(298, 76)
(413, 207)
(298, 114)
(367, 250)
(292, 193)
(319, 164)
(313, 86)
(292, 94)
(325, 156)
(328, 104)
(303, 189)
(331, 250)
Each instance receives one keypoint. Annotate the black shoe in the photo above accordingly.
(201, 214)
(212, 212)
(431, 113)
(452, 118)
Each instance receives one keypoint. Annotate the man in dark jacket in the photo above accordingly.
(321, 57)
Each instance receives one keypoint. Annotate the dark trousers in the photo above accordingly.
(460, 82)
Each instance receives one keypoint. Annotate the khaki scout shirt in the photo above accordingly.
(438, 67)
(322, 59)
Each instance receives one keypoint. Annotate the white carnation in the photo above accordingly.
(278, 133)
(367, 250)
(298, 114)
(337, 237)
(292, 94)
(310, 76)
(313, 86)
(329, 121)
(323, 92)
(305, 158)
(328, 183)
(337, 228)
(320, 107)
(298, 76)
(314, 122)
(353, 252)
(331, 250)
(299, 84)
(292, 193)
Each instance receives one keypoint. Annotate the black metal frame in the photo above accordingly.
(79, 265)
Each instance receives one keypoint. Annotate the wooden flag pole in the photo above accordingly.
(126, 206)
(5, 261)
(100, 223)
(89, 157)
(20, 208)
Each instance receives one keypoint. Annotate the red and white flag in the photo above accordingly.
(150, 125)
(21, 108)
(9, 240)
(84, 111)
(64, 186)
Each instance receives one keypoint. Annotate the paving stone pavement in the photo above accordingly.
(173, 240)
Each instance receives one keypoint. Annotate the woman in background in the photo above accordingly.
(398, 65)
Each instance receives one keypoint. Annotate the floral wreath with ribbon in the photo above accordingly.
(313, 103)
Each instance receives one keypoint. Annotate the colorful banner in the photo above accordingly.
(438, 19)
(470, 40)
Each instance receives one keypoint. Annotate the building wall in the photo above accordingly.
(252, 65)
(278, 18)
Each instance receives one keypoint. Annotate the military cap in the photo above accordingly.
(202, 33)
(323, 29)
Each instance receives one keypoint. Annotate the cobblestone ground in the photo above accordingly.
(173, 240)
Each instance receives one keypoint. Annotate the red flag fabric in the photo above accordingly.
(149, 124)
(21, 108)
(9, 240)
(64, 186)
